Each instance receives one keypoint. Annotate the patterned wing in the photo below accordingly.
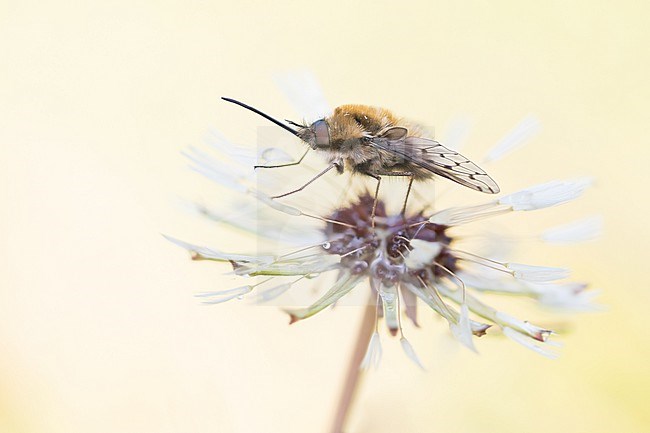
(433, 156)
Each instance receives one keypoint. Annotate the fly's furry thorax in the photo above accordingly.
(353, 121)
(349, 122)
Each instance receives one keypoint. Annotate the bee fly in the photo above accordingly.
(374, 142)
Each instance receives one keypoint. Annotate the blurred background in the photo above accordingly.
(98, 326)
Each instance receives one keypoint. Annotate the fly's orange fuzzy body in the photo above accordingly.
(352, 127)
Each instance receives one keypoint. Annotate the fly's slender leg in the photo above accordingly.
(374, 203)
(329, 167)
(378, 177)
(284, 165)
(408, 191)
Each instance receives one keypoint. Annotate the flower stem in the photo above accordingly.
(354, 371)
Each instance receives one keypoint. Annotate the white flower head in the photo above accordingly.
(398, 258)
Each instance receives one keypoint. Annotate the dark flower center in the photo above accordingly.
(382, 250)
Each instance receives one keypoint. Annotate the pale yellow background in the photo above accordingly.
(98, 328)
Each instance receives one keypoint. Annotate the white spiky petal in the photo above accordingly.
(516, 138)
(211, 254)
(249, 217)
(462, 329)
(422, 253)
(303, 91)
(439, 306)
(546, 194)
(537, 274)
(454, 216)
(410, 352)
(536, 197)
(576, 231)
(273, 292)
(489, 280)
(569, 296)
(505, 320)
(274, 204)
(224, 295)
(491, 314)
(528, 343)
(343, 285)
(217, 171)
(243, 156)
(289, 267)
(373, 353)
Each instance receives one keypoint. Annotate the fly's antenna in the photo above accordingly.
(264, 115)
(291, 122)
